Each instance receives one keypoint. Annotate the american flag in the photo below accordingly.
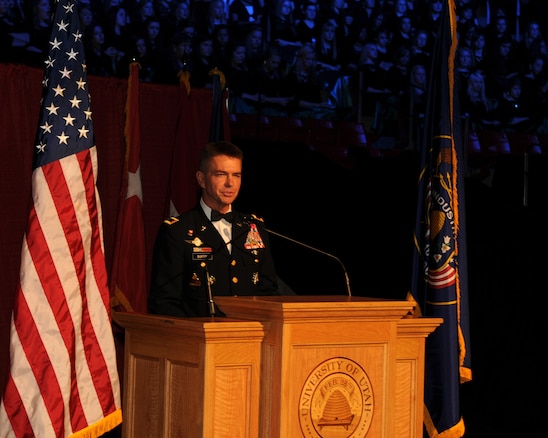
(63, 375)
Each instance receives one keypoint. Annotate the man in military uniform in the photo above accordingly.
(211, 250)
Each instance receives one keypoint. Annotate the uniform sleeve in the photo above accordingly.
(167, 277)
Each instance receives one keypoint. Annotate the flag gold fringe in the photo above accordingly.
(456, 431)
(101, 427)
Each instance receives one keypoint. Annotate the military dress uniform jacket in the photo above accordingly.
(189, 250)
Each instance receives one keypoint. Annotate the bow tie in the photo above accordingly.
(217, 216)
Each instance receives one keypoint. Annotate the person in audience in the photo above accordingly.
(364, 12)
(532, 34)
(464, 64)
(498, 30)
(307, 28)
(467, 16)
(475, 107)
(201, 62)
(39, 30)
(413, 106)
(284, 32)
(87, 18)
(382, 41)
(403, 35)
(421, 53)
(480, 51)
(241, 86)
(511, 111)
(350, 53)
(271, 94)
(212, 249)
(138, 52)
(398, 74)
(221, 45)
(140, 15)
(163, 9)
(275, 96)
(254, 54)
(335, 12)
(535, 89)
(177, 61)
(502, 66)
(429, 20)
(117, 36)
(215, 16)
(467, 35)
(154, 39)
(180, 18)
(99, 57)
(329, 62)
(311, 100)
(395, 14)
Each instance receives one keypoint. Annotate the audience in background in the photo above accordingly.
(311, 55)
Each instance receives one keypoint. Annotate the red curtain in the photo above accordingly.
(20, 93)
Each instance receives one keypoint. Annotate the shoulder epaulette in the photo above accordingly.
(257, 218)
(171, 220)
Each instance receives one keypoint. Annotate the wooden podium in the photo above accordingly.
(193, 377)
(279, 367)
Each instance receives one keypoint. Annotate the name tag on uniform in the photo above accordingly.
(202, 253)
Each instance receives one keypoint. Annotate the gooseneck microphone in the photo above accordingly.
(290, 239)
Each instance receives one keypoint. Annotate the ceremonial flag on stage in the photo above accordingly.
(216, 127)
(128, 277)
(178, 197)
(189, 139)
(439, 283)
(63, 378)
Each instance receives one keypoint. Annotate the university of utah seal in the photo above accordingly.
(336, 401)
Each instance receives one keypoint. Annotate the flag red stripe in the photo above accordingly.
(59, 189)
(18, 417)
(94, 354)
(30, 334)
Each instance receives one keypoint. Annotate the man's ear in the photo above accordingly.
(200, 177)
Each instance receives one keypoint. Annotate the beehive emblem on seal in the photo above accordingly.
(336, 400)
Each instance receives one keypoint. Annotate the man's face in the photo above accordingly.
(221, 181)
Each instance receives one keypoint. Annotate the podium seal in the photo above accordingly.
(336, 400)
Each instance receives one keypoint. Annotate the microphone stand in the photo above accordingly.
(210, 301)
(317, 250)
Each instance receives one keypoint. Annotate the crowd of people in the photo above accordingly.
(313, 58)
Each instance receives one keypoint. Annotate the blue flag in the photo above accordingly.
(216, 127)
(439, 279)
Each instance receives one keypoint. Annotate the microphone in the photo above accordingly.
(290, 239)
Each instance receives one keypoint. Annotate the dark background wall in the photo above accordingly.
(365, 216)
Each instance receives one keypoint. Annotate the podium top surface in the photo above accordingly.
(299, 307)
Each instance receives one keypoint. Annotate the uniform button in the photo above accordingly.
(256, 260)
(202, 264)
(233, 263)
(234, 279)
